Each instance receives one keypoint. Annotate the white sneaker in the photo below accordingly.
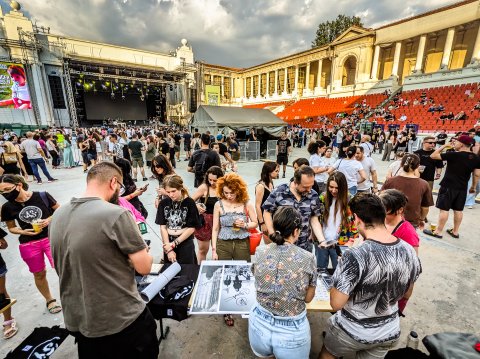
(470, 207)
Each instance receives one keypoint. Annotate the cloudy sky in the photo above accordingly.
(238, 33)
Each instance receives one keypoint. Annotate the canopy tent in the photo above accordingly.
(221, 119)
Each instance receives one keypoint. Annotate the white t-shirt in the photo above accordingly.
(20, 92)
(350, 169)
(332, 227)
(367, 148)
(368, 165)
(317, 161)
(31, 148)
(395, 168)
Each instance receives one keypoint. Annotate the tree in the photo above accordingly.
(329, 30)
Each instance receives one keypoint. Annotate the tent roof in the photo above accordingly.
(239, 116)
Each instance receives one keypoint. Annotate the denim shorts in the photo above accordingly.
(283, 337)
(3, 270)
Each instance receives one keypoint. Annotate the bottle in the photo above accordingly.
(412, 340)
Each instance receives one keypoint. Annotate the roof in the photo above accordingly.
(239, 116)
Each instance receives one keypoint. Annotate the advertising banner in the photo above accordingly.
(13, 87)
(212, 94)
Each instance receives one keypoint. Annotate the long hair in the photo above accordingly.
(268, 167)
(126, 168)
(214, 170)
(175, 181)
(342, 198)
(410, 162)
(162, 161)
(14, 179)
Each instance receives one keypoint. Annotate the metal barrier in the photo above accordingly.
(272, 150)
(249, 151)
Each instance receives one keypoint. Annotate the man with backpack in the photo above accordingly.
(202, 160)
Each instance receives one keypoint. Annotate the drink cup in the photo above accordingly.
(421, 169)
(235, 228)
(36, 226)
(433, 227)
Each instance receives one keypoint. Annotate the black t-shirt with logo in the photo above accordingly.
(178, 215)
(441, 137)
(460, 166)
(26, 212)
(430, 164)
(283, 146)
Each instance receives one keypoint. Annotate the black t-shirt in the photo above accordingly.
(327, 140)
(136, 148)
(3, 234)
(223, 149)
(430, 164)
(283, 146)
(201, 161)
(187, 138)
(178, 215)
(344, 144)
(177, 138)
(164, 148)
(460, 166)
(26, 212)
(441, 137)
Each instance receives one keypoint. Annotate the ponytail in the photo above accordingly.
(277, 238)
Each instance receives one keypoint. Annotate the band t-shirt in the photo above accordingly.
(136, 148)
(460, 166)
(27, 212)
(283, 146)
(441, 138)
(178, 215)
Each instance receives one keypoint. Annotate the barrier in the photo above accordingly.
(249, 151)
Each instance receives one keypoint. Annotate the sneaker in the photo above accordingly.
(145, 179)
(52, 180)
(470, 207)
(39, 182)
(283, 175)
(186, 159)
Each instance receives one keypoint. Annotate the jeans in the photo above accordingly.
(284, 337)
(353, 190)
(471, 196)
(39, 162)
(323, 255)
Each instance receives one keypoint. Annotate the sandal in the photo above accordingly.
(430, 233)
(54, 308)
(450, 232)
(228, 320)
(11, 331)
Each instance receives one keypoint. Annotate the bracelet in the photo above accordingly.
(214, 250)
(261, 223)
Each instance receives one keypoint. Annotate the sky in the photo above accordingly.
(236, 33)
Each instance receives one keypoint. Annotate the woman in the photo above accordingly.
(316, 149)
(206, 198)
(131, 192)
(391, 140)
(150, 151)
(161, 168)
(402, 142)
(394, 168)
(171, 148)
(32, 227)
(264, 187)
(416, 189)
(395, 203)
(53, 150)
(338, 222)
(381, 142)
(99, 146)
(196, 141)
(177, 216)
(123, 142)
(233, 216)
(11, 160)
(285, 279)
(68, 161)
(351, 168)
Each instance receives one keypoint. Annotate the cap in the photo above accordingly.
(465, 139)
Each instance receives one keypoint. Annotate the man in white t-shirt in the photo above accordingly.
(366, 145)
(368, 164)
(36, 157)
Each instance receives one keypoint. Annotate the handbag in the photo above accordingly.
(255, 236)
(200, 216)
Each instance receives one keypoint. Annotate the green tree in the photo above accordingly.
(327, 31)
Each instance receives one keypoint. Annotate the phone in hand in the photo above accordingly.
(144, 188)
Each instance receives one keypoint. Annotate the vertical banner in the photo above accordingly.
(13, 87)
(212, 94)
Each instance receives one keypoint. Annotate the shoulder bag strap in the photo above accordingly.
(398, 226)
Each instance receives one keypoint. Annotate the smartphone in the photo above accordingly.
(144, 188)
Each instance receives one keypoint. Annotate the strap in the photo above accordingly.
(398, 226)
(339, 163)
(43, 196)
(206, 197)
(221, 206)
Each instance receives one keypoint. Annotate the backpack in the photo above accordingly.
(197, 146)
(200, 160)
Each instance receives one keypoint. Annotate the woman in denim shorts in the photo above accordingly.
(285, 279)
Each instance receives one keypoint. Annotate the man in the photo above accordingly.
(36, 157)
(340, 135)
(303, 162)
(441, 138)
(343, 147)
(115, 149)
(187, 143)
(97, 247)
(283, 149)
(432, 169)
(368, 148)
(135, 147)
(452, 194)
(298, 193)
(202, 160)
(251, 135)
(368, 165)
(367, 285)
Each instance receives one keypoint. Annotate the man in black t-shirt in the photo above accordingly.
(433, 168)
(441, 138)
(284, 148)
(342, 149)
(454, 185)
(187, 142)
(136, 147)
(202, 160)
(177, 138)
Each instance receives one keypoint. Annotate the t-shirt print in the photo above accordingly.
(175, 216)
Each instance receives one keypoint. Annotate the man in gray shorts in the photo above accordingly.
(135, 146)
(367, 285)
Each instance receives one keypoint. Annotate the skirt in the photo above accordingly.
(204, 234)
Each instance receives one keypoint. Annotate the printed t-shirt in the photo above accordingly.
(178, 215)
(283, 146)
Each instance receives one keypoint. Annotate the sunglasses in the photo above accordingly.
(431, 143)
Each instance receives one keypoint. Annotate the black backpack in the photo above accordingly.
(201, 157)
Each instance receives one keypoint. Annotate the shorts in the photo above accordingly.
(176, 148)
(283, 337)
(236, 249)
(448, 199)
(33, 254)
(282, 160)
(340, 344)
(3, 270)
(92, 156)
(186, 147)
(85, 158)
(137, 162)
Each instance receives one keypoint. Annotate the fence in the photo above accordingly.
(272, 150)
(249, 151)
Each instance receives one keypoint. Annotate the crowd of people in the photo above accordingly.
(331, 217)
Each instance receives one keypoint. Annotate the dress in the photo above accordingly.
(68, 160)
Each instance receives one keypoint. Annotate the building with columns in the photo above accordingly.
(437, 48)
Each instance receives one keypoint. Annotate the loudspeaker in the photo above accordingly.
(57, 91)
(193, 100)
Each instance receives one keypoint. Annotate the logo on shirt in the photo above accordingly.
(30, 214)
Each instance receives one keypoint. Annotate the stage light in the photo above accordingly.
(142, 98)
(107, 83)
(112, 95)
(78, 84)
(104, 87)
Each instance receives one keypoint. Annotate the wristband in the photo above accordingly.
(214, 250)
(261, 223)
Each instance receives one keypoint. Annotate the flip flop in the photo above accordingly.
(430, 233)
(54, 309)
(10, 332)
(450, 232)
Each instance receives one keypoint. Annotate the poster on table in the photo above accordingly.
(14, 91)
(224, 288)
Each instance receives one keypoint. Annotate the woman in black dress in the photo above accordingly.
(263, 189)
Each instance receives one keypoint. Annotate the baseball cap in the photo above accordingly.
(465, 139)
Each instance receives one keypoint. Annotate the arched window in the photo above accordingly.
(349, 71)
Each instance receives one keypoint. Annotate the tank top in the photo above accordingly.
(227, 232)
(209, 203)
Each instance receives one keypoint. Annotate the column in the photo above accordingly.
(376, 54)
(244, 88)
(222, 86)
(211, 79)
(267, 88)
(307, 79)
(295, 91)
(251, 87)
(447, 50)
(275, 90)
(285, 78)
(319, 75)
(396, 58)
(420, 54)
(259, 85)
(476, 49)
(232, 92)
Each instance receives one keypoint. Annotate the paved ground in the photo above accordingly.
(445, 298)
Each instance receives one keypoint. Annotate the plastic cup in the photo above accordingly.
(433, 227)
(36, 227)
(421, 169)
(235, 228)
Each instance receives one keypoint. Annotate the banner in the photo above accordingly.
(13, 87)
(212, 94)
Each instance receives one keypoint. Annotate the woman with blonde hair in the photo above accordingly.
(11, 160)
(178, 217)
